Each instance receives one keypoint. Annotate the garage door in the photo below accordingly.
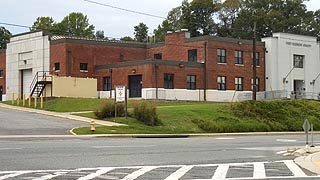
(27, 79)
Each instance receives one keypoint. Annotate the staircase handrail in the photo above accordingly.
(36, 78)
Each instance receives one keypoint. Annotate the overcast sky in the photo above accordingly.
(115, 23)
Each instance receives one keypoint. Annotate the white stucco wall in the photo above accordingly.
(279, 61)
(26, 51)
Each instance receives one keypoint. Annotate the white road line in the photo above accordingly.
(142, 146)
(179, 173)
(259, 170)
(139, 172)
(286, 140)
(96, 174)
(294, 168)
(225, 138)
(50, 176)
(13, 175)
(1, 149)
(221, 172)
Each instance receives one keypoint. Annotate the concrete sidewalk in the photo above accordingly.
(310, 162)
(60, 115)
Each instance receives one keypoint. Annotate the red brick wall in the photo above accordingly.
(3, 67)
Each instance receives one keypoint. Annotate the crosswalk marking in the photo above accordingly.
(297, 172)
(13, 174)
(221, 172)
(50, 176)
(259, 170)
(96, 174)
(138, 173)
(179, 173)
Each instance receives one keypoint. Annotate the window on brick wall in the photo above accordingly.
(157, 56)
(56, 66)
(1, 73)
(222, 81)
(257, 84)
(83, 66)
(106, 83)
(221, 56)
(238, 81)
(192, 55)
(257, 59)
(168, 81)
(238, 57)
(191, 82)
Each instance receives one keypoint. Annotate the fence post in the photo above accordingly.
(12, 99)
(41, 102)
(24, 100)
(35, 102)
(18, 100)
(29, 101)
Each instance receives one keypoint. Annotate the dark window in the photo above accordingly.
(192, 55)
(238, 57)
(83, 66)
(157, 56)
(1, 73)
(257, 84)
(298, 61)
(257, 59)
(56, 66)
(238, 81)
(106, 83)
(221, 54)
(191, 82)
(221, 83)
(168, 81)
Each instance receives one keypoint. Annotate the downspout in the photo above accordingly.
(205, 73)
(264, 56)
(156, 66)
(110, 70)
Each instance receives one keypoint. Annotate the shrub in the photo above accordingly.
(108, 110)
(146, 112)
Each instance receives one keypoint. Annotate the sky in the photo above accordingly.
(115, 23)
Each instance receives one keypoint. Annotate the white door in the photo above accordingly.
(27, 79)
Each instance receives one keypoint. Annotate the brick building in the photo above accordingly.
(2, 73)
(181, 68)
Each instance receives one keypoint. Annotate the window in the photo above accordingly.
(168, 81)
(257, 59)
(257, 84)
(191, 82)
(192, 55)
(238, 57)
(298, 61)
(83, 66)
(221, 55)
(56, 66)
(157, 56)
(1, 73)
(238, 81)
(221, 83)
(106, 83)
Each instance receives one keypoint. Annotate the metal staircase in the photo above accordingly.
(39, 83)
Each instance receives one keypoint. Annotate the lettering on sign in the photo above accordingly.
(298, 44)
(120, 93)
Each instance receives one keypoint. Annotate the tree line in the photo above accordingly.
(231, 18)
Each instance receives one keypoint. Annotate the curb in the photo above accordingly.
(310, 162)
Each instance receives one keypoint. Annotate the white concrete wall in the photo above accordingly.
(31, 47)
(279, 61)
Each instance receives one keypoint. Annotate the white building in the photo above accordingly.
(292, 64)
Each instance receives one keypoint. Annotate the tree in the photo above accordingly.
(76, 24)
(227, 15)
(100, 34)
(141, 32)
(126, 38)
(4, 37)
(43, 23)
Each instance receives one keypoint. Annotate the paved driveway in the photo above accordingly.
(14, 122)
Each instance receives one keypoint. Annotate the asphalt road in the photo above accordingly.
(24, 123)
(162, 156)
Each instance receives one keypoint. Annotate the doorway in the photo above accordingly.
(135, 86)
(1, 92)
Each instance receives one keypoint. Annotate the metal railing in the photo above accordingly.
(40, 77)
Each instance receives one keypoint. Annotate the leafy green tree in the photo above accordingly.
(99, 34)
(43, 23)
(4, 37)
(141, 32)
(126, 38)
(76, 24)
(227, 15)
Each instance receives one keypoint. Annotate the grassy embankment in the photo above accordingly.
(204, 117)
